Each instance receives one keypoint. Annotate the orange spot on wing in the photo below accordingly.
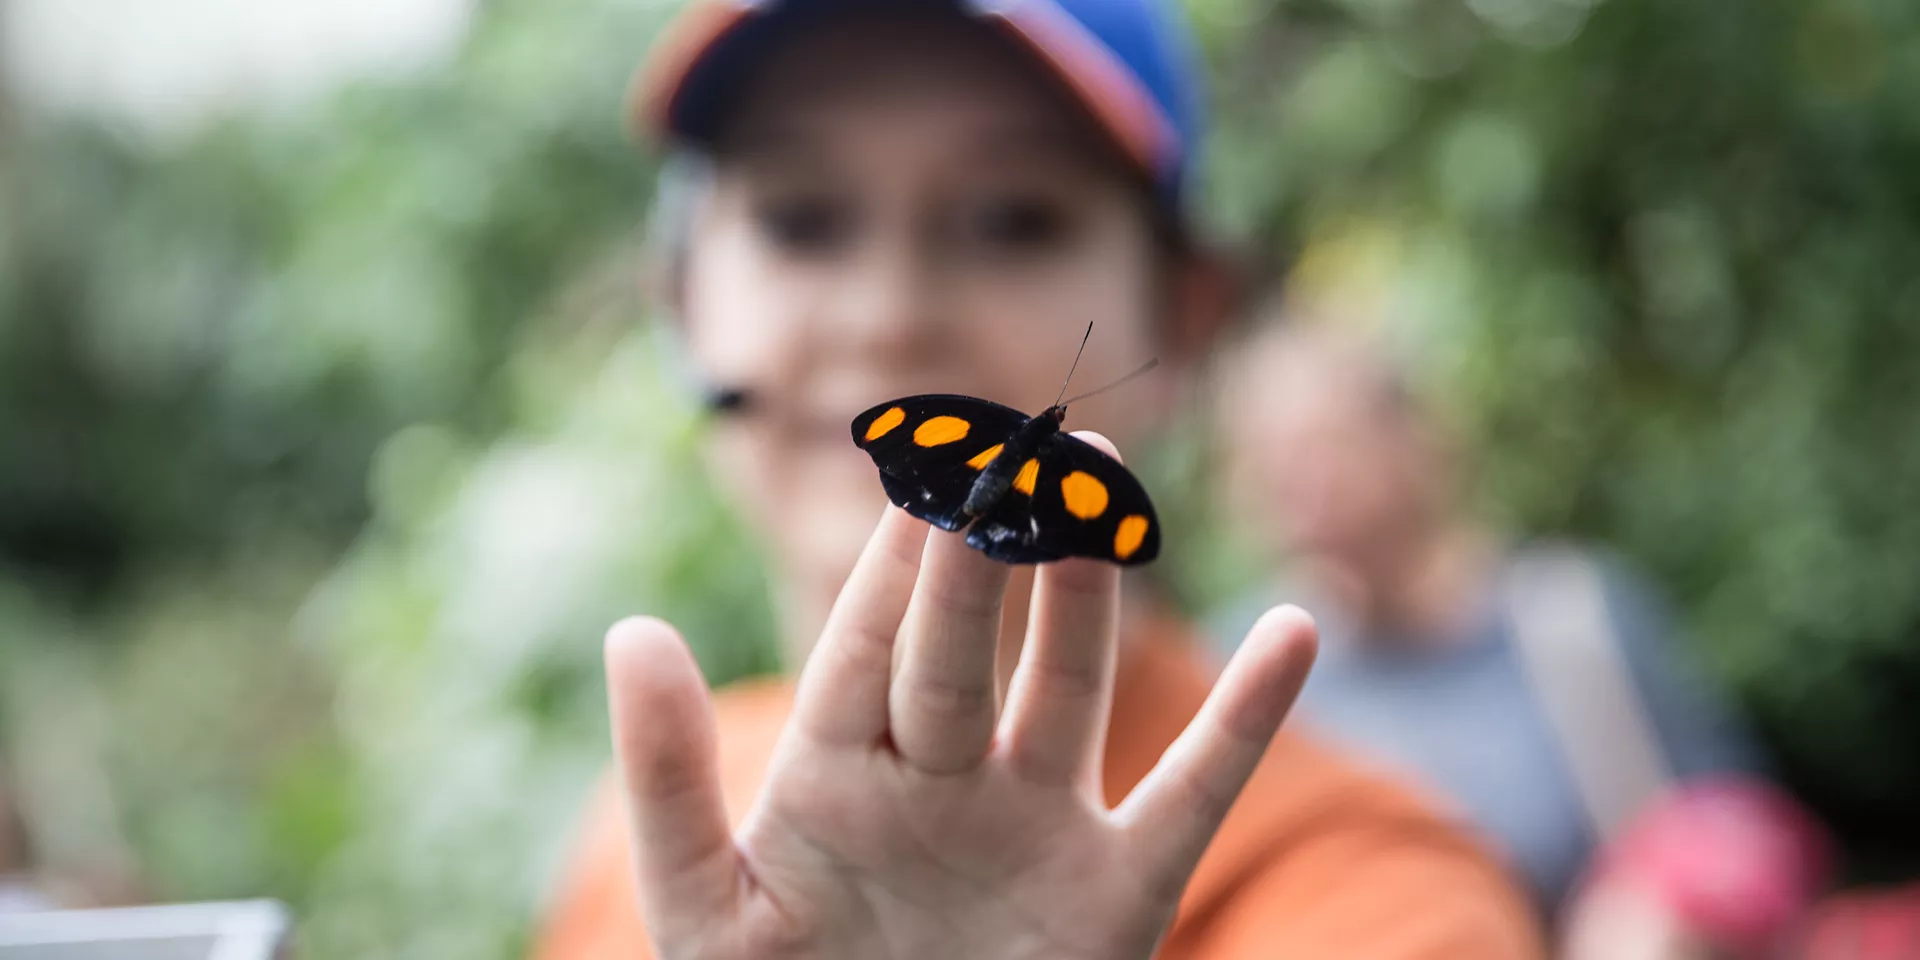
(1029, 474)
(1127, 539)
(885, 422)
(1085, 495)
(986, 456)
(940, 430)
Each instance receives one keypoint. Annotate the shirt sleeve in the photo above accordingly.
(1700, 731)
(1382, 893)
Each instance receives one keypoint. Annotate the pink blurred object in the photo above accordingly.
(1867, 925)
(1737, 862)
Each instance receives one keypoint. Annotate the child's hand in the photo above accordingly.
(907, 815)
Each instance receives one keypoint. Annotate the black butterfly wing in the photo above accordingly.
(1008, 533)
(1081, 503)
(929, 449)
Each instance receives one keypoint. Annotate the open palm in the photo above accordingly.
(906, 814)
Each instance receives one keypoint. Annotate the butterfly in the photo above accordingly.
(1024, 491)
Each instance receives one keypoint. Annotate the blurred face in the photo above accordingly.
(1327, 469)
(901, 207)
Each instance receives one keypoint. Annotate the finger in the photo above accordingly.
(943, 698)
(1173, 814)
(1063, 690)
(842, 695)
(665, 741)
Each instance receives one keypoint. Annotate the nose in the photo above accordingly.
(888, 302)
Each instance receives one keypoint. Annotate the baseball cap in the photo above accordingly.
(1130, 63)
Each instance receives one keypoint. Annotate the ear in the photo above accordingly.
(663, 281)
(662, 285)
(680, 192)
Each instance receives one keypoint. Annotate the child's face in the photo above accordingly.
(900, 207)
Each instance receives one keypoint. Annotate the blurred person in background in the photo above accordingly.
(1533, 687)
(1723, 868)
(1733, 868)
(883, 199)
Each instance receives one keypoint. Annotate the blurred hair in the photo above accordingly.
(1381, 374)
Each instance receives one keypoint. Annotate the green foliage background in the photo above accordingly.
(330, 442)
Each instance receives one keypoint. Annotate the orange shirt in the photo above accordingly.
(1316, 859)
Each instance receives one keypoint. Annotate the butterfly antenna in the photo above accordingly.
(1076, 363)
(1150, 364)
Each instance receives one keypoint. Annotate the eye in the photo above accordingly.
(806, 224)
(1020, 223)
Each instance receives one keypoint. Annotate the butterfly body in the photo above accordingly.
(1024, 491)
(996, 481)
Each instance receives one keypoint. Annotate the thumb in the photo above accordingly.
(666, 745)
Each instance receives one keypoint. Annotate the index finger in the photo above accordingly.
(1173, 814)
